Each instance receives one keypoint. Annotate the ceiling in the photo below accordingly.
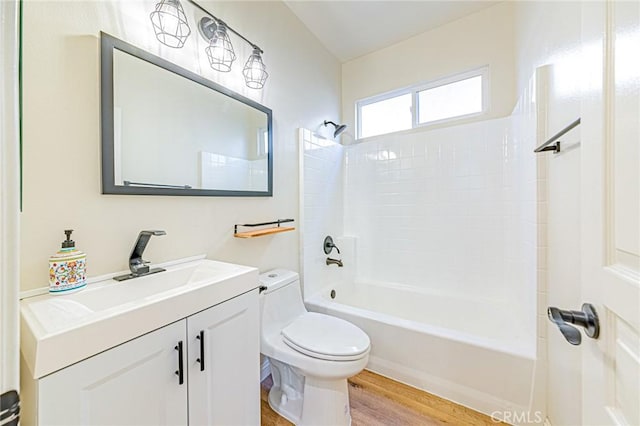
(352, 28)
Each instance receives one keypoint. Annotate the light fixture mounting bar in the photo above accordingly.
(255, 46)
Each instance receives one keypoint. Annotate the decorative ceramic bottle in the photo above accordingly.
(67, 268)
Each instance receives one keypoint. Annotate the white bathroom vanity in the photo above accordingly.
(180, 347)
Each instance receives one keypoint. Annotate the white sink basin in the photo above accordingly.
(60, 330)
(111, 293)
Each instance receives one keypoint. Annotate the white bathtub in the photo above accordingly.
(472, 352)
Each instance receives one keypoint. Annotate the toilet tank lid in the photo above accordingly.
(277, 278)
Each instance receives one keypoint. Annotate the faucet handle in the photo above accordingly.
(136, 263)
(328, 245)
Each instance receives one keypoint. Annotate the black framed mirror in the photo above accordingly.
(169, 131)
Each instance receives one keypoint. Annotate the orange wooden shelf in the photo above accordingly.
(263, 232)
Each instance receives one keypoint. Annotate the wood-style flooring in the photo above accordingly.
(379, 401)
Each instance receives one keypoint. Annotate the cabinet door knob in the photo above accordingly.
(201, 359)
(180, 371)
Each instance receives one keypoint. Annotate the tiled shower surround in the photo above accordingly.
(441, 210)
(448, 211)
(438, 230)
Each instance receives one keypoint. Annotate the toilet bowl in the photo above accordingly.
(311, 355)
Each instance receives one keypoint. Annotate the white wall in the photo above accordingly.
(549, 33)
(483, 38)
(61, 121)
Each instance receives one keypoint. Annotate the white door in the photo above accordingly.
(9, 210)
(137, 383)
(224, 363)
(610, 210)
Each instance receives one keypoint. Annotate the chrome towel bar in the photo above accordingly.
(156, 185)
(556, 147)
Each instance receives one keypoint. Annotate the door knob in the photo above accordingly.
(586, 318)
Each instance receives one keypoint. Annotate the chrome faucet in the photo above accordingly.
(331, 261)
(137, 265)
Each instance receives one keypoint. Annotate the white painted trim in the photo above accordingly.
(9, 196)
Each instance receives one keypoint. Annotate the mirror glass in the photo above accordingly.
(168, 131)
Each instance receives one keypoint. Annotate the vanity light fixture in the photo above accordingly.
(254, 71)
(170, 23)
(220, 51)
(172, 29)
(221, 54)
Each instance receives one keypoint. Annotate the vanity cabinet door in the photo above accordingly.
(132, 384)
(225, 390)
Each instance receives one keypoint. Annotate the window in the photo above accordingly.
(451, 98)
(386, 116)
(456, 99)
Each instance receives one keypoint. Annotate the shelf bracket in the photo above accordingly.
(262, 232)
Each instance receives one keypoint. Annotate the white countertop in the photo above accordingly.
(57, 331)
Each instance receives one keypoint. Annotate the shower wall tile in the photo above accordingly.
(440, 210)
(322, 162)
(525, 119)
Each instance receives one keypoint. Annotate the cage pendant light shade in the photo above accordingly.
(220, 51)
(255, 71)
(170, 23)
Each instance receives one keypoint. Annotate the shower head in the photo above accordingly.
(339, 127)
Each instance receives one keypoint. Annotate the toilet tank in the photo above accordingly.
(280, 300)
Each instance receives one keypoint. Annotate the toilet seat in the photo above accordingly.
(326, 337)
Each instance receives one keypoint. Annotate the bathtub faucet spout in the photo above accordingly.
(331, 261)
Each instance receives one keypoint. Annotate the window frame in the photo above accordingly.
(414, 90)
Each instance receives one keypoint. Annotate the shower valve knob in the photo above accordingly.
(328, 245)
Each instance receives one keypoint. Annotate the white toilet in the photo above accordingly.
(311, 354)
